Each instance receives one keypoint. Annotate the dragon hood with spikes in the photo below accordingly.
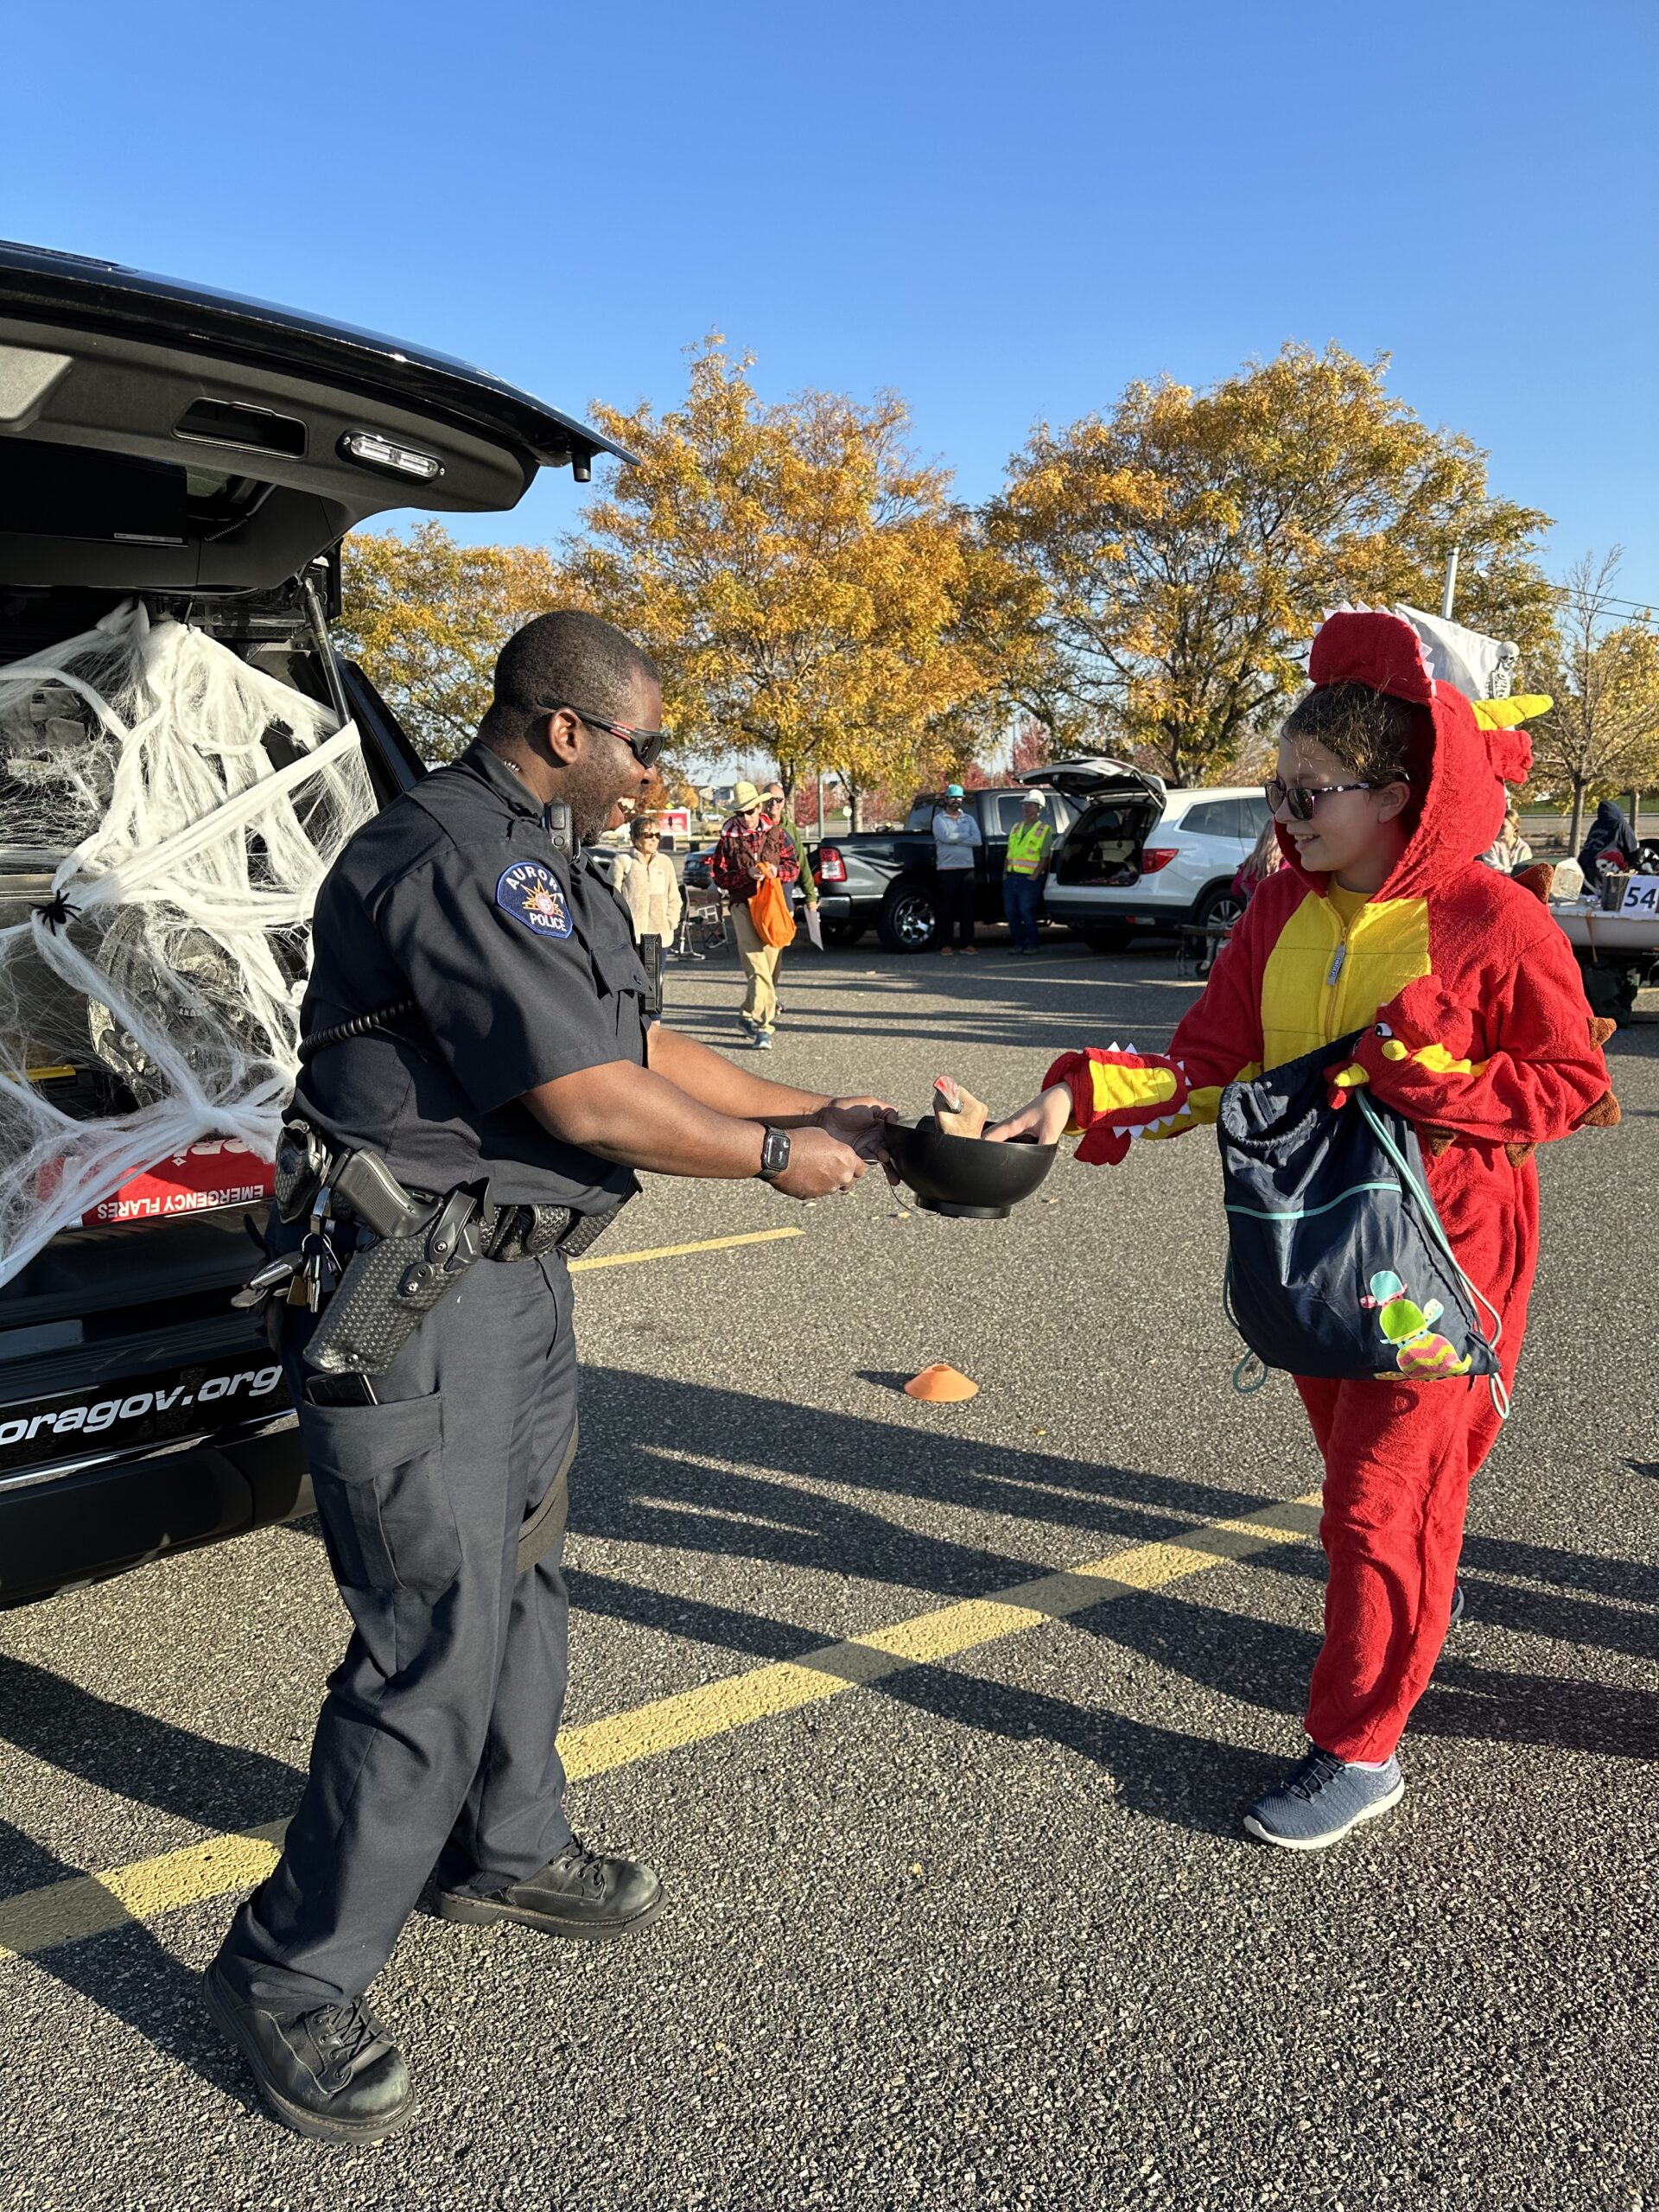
(1479, 748)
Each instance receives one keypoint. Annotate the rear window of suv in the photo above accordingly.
(1212, 817)
(1225, 817)
(85, 493)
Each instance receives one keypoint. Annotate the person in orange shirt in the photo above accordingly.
(1476, 1029)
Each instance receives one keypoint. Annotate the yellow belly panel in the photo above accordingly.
(1322, 980)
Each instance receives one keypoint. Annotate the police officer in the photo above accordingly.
(477, 1014)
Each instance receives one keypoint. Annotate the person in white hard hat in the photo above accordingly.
(1030, 843)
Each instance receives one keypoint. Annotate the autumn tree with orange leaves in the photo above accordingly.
(807, 586)
(1189, 544)
(427, 617)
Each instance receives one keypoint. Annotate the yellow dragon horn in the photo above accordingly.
(1510, 713)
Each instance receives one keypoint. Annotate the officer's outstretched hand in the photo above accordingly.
(860, 1122)
(818, 1163)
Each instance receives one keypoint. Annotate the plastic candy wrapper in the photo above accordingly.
(1117, 1097)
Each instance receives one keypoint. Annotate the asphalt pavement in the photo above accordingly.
(962, 1914)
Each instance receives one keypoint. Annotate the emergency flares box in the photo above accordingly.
(218, 1171)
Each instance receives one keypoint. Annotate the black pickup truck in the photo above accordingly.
(204, 454)
(883, 879)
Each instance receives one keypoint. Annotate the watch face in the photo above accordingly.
(774, 1152)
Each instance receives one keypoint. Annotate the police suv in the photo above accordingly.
(204, 454)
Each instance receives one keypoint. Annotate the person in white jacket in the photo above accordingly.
(650, 888)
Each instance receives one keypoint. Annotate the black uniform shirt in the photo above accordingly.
(522, 967)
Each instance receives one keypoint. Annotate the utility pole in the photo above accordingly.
(1451, 591)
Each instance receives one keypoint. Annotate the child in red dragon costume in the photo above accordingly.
(1476, 1029)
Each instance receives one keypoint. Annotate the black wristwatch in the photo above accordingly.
(774, 1155)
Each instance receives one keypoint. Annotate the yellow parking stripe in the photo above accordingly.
(64, 1912)
(690, 1717)
(678, 1252)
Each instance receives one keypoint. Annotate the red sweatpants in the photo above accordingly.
(1398, 1460)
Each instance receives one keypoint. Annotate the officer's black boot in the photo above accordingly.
(333, 2073)
(577, 1894)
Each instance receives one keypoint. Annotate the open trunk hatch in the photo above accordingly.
(156, 435)
(1120, 809)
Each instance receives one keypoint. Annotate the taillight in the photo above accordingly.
(1157, 856)
(831, 867)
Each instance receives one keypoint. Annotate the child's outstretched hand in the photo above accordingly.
(1044, 1121)
(1111, 1096)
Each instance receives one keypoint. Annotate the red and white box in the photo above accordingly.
(217, 1172)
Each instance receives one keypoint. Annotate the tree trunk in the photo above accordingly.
(1575, 834)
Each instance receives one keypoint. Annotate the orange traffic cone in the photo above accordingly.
(941, 1385)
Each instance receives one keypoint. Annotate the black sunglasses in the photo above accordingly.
(645, 745)
(1299, 800)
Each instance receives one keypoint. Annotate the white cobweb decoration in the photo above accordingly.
(167, 814)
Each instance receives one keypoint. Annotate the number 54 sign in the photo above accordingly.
(1640, 900)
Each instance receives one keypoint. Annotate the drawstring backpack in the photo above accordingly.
(1338, 1264)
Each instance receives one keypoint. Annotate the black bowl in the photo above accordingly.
(965, 1176)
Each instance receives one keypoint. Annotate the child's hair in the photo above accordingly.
(1383, 739)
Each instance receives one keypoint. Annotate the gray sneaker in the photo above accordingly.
(1320, 1799)
(763, 1040)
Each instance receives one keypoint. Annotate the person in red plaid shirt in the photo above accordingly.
(751, 845)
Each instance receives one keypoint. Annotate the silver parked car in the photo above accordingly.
(1141, 856)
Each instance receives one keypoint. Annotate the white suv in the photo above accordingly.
(1141, 856)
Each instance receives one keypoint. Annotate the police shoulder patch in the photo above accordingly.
(532, 895)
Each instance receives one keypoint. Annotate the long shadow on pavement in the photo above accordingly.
(135, 1756)
(641, 1424)
(128, 1973)
(127, 1970)
(1267, 1663)
(712, 1469)
(645, 1477)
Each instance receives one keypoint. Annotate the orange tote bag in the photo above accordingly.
(769, 912)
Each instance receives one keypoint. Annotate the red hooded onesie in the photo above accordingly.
(1483, 1038)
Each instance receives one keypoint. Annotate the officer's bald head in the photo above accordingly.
(565, 659)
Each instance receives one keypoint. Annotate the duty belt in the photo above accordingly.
(408, 1247)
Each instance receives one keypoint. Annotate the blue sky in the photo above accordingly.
(1002, 213)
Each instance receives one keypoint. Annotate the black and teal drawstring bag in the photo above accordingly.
(1338, 1264)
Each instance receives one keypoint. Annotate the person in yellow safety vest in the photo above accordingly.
(1030, 841)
